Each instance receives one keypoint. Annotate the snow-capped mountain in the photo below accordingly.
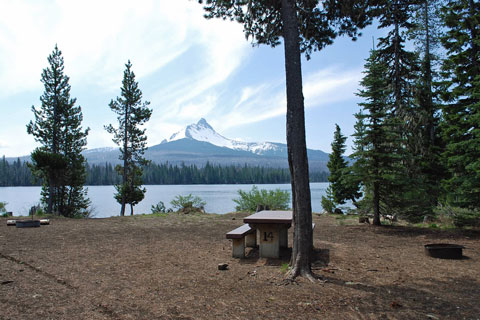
(198, 144)
(202, 131)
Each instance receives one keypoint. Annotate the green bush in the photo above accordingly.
(328, 205)
(273, 199)
(159, 208)
(460, 217)
(188, 203)
(3, 208)
(466, 218)
(40, 212)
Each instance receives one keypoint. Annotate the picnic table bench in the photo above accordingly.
(241, 237)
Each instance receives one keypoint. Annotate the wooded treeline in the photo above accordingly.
(417, 136)
(19, 174)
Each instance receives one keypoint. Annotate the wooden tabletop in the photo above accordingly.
(270, 217)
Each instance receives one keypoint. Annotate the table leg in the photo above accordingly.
(269, 241)
(238, 248)
(251, 240)
(283, 237)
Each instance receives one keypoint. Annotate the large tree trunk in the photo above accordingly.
(297, 148)
(125, 160)
(376, 204)
(50, 195)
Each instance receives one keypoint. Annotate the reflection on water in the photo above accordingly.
(219, 198)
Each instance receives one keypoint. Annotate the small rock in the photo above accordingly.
(223, 266)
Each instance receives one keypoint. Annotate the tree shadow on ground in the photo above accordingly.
(320, 257)
(405, 231)
(441, 298)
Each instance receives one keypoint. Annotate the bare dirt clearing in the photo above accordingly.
(166, 268)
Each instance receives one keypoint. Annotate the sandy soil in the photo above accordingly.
(166, 268)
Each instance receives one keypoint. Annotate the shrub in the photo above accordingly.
(328, 205)
(466, 218)
(461, 217)
(159, 208)
(188, 203)
(3, 208)
(40, 212)
(273, 199)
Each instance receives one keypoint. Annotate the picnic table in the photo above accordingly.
(271, 229)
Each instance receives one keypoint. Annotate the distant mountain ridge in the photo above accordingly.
(202, 131)
(199, 143)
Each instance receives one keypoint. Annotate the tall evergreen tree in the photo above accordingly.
(461, 93)
(131, 138)
(342, 186)
(336, 165)
(425, 143)
(57, 127)
(412, 109)
(377, 153)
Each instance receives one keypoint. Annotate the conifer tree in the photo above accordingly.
(377, 153)
(336, 165)
(461, 93)
(425, 144)
(131, 138)
(304, 26)
(57, 127)
(412, 110)
(341, 186)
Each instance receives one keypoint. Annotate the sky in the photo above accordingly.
(188, 67)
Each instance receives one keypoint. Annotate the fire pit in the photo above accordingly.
(444, 250)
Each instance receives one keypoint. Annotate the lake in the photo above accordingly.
(219, 197)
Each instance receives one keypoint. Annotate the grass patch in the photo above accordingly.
(285, 267)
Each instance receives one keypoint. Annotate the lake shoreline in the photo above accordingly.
(219, 198)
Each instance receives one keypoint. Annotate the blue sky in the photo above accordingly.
(187, 67)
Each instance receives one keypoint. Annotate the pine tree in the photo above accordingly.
(57, 127)
(411, 106)
(336, 165)
(341, 186)
(377, 154)
(461, 93)
(132, 114)
(425, 145)
(304, 26)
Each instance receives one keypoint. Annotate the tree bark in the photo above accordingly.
(125, 159)
(376, 204)
(296, 145)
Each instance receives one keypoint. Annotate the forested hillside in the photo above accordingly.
(18, 174)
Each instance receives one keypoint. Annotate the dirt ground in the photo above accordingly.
(166, 268)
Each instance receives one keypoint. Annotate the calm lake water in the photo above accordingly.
(219, 198)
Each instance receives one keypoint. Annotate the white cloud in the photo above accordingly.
(269, 100)
(330, 85)
(98, 37)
